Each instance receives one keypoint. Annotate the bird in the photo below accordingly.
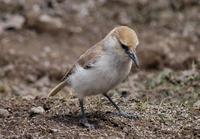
(101, 68)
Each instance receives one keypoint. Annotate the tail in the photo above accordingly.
(56, 89)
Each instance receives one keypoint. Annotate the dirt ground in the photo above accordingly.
(40, 40)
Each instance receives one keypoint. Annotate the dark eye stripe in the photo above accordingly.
(124, 47)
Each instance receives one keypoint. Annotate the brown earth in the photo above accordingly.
(35, 53)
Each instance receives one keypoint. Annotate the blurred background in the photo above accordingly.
(40, 39)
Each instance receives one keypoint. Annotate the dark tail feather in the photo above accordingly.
(56, 89)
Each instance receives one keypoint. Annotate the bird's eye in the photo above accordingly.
(124, 46)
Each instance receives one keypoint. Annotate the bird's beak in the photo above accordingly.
(133, 56)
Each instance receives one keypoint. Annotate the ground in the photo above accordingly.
(47, 36)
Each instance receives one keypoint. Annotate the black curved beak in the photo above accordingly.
(133, 56)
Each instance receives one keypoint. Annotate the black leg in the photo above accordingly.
(113, 103)
(82, 109)
(122, 113)
(84, 120)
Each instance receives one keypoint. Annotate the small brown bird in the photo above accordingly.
(102, 67)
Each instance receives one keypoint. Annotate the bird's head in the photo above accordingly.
(125, 40)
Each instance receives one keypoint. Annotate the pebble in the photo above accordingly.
(54, 130)
(196, 105)
(12, 22)
(44, 22)
(125, 129)
(28, 97)
(4, 113)
(37, 110)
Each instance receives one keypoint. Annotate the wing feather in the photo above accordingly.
(86, 61)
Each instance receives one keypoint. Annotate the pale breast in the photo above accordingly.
(106, 74)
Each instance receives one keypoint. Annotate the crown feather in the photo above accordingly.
(126, 36)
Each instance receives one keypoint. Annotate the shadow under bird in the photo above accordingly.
(102, 67)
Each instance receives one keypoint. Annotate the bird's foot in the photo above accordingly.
(129, 115)
(86, 124)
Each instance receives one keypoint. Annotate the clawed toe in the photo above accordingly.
(129, 115)
(86, 124)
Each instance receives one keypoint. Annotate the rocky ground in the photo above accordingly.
(39, 40)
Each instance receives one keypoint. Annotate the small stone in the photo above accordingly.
(51, 21)
(44, 81)
(4, 113)
(196, 105)
(44, 22)
(12, 22)
(125, 129)
(54, 130)
(31, 78)
(37, 110)
(28, 97)
(1, 136)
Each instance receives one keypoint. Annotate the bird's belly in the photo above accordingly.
(97, 80)
(92, 82)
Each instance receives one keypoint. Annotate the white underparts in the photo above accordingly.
(107, 72)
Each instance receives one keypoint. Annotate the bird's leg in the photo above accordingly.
(84, 120)
(122, 113)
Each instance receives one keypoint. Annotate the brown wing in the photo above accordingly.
(86, 60)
